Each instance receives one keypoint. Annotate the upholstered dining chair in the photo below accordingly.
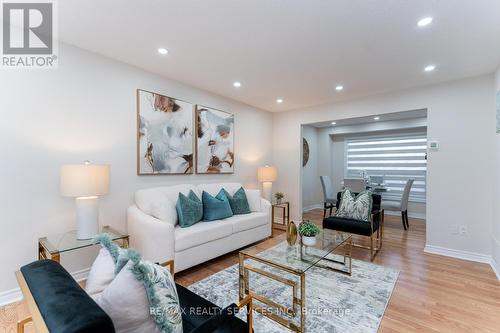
(355, 184)
(329, 198)
(402, 205)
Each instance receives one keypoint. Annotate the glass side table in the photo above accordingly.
(285, 217)
(51, 247)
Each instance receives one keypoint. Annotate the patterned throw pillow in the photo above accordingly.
(355, 207)
(160, 287)
(142, 298)
(216, 208)
(189, 209)
(239, 203)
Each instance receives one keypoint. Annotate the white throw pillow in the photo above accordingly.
(165, 211)
(101, 273)
(253, 197)
(126, 303)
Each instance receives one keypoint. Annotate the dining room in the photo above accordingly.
(386, 155)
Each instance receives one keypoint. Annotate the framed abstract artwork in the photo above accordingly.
(164, 135)
(214, 141)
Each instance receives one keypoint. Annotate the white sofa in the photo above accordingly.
(155, 233)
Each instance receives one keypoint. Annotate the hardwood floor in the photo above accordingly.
(432, 294)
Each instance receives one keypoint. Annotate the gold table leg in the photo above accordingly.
(244, 290)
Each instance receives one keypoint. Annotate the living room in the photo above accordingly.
(236, 84)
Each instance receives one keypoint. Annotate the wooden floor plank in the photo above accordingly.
(433, 293)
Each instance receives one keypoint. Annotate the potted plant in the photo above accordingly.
(279, 196)
(308, 232)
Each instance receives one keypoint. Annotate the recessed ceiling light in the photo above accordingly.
(334, 123)
(162, 51)
(339, 88)
(429, 68)
(376, 118)
(236, 84)
(425, 21)
(279, 100)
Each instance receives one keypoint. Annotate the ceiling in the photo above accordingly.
(296, 50)
(394, 116)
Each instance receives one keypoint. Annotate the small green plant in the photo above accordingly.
(308, 229)
(279, 196)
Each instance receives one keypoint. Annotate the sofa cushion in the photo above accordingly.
(216, 208)
(248, 221)
(189, 209)
(165, 211)
(152, 200)
(201, 233)
(215, 188)
(254, 200)
(349, 225)
(238, 201)
(64, 305)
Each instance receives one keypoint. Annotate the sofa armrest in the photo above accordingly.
(265, 206)
(154, 239)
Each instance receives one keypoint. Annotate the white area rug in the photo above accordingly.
(335, 302)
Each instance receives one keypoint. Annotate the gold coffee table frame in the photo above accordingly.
(297, 300)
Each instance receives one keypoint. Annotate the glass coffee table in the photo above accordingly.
(294, 260)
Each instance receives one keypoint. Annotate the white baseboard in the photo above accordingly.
(311, 207)
(15, 295)
(10, 296)
(496, 268)
(459, 254)
(410, 214)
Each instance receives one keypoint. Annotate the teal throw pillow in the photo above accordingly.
(217, 208)
(189, 209)
(238, 202)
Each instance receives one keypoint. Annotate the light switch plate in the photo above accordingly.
(434, 145)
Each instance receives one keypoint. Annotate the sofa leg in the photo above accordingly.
(406, 218)
(403, 219)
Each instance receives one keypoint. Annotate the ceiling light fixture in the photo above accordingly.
(339, 88)
(424, 22)
(236, 84)
(429, 68)
(162, 51)
(334, 123)
(279, 100)
(376, 118)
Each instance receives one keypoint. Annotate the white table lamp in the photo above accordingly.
(267, 175)
(85, 183)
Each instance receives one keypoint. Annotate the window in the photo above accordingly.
(396, 158)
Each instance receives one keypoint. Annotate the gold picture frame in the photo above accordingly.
(171, 160)
(214, 146)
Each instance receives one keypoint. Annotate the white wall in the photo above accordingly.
(496, 198)
(459, 174)
(312, 194)
(86, 109)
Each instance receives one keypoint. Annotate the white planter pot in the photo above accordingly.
(308, 241)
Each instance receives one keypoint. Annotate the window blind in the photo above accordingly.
(396, 158)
